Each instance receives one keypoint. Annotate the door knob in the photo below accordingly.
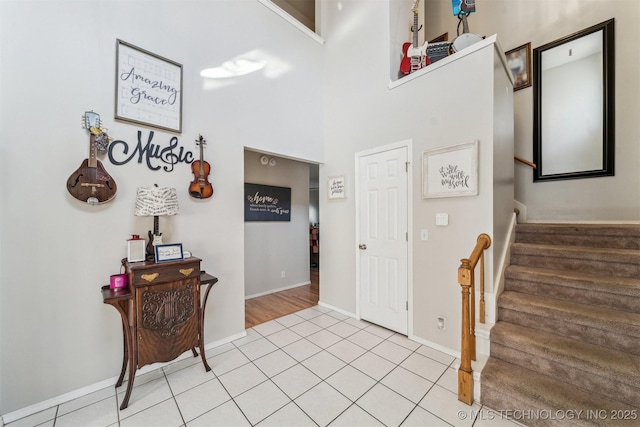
(362, 246)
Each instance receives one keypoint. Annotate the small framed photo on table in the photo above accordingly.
(136, 250)
(169, 252)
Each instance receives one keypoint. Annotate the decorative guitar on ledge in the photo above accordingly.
(91, 183)
(414, 56)
(200, 187)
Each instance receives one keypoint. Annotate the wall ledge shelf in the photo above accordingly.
(488, 41)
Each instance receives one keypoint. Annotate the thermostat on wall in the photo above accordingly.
(442, 219)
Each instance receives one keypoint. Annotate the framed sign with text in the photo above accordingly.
(266, 203)
(148, 88)
(169, 252)
(450, 171)
(336, 186)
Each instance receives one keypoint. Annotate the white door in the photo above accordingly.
(383, 238)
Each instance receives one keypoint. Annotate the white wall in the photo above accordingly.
(58, 60)
(273, 247)
(444, 107)
(539, 22)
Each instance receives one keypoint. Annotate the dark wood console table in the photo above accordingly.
(162, 313)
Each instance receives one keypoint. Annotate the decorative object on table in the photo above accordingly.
(148, 88)
(169, 252)
(519, 62)
(414, 56)
(136, 249)
(462, 9)
(450, 171)
(117, 281)
(155, 201)
(91, 183)
(200, 187)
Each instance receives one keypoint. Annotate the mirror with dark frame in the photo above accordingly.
(573, 107)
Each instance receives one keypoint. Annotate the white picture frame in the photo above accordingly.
(136, 250)
(336, 187)
(450, 171)
(148, 88)
(169, 252)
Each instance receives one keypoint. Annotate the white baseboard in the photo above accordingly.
(339, 310)
(273, 291)
(436, 346)
(66, 397)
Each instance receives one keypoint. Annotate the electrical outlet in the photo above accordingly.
(440, 322)
(283, 273)
(424, 235)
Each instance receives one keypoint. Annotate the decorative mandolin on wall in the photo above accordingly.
(91, 183)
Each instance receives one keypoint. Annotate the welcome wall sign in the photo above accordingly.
(148, 88)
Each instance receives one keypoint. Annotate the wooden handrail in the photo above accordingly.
(526, 162)
(468, 347)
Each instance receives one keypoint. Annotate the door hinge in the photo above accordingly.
(407, 305)
(406, 236)
(406, 166)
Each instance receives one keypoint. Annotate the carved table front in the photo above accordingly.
(161, 311)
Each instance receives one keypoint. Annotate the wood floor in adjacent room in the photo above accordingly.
(262, 309)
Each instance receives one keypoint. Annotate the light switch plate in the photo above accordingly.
(442, 219)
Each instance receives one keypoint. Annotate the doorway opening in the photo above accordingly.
(281, 257)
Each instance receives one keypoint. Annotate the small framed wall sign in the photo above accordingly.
(336, 187)
(169, 252)
(450, 171)
(148, 88)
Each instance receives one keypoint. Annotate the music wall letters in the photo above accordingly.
(154, 155)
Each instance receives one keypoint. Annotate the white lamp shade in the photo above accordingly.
(156, 201)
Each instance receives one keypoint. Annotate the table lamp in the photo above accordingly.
(155, 201)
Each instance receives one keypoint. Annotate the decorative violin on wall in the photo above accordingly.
(200, 187)
(90, 182)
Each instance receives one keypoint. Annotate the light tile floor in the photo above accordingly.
(315, 367)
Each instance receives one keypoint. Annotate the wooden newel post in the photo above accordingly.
(465, 373)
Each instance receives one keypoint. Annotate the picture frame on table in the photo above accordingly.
(519, 62)
(148, 88)
(136, 250)
(169, 252)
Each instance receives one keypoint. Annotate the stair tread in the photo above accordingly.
(544, 392)
(605, 362)
(567, 251)
(624, 230)
(620, 285)
(589, 315)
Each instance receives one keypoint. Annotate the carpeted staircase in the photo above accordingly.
(567, 337)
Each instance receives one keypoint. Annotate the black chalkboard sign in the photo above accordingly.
(266, 203)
